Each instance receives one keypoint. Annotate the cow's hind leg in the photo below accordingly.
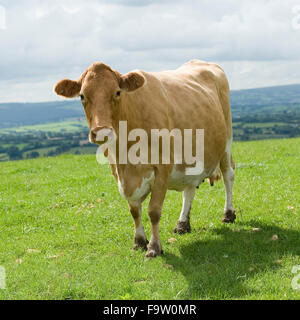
(140, 240)
(183, 225)
(227, 168)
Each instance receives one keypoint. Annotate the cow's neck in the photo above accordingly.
(131, 112)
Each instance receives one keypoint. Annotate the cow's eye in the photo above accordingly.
(82, 97)
(118, 93)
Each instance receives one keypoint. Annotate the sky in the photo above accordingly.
(257, 42)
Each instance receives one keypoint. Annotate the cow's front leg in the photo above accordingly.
(154, 210)
(140, 240)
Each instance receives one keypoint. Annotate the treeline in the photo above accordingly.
(25, 146)
(264, 126)
(243, 133)
(287, 117)
(34, 144)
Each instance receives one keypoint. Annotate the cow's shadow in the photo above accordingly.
(221, 268)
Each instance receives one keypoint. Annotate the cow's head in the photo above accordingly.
(100, 89)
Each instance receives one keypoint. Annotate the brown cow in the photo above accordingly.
(194, 96)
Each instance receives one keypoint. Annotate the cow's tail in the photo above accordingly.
(223, 90)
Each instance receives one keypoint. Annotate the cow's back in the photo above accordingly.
(194, 96)
(196, 91)
(198, 95)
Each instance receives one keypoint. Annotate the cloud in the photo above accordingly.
(46, 40)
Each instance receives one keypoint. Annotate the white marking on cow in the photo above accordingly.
(188, 196)
(120, 186)
(139, 192)
(144, 189)
(228, 147)
(179, 180)
(228, 182)
(139, 231)
(228, 177)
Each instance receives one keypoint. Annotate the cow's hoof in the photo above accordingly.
(140, 243)
(182, 227)
(229, 216)
(154, 250)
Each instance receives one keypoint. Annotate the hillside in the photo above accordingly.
(65, 230)
(277, 95)
(261, 100)
(22, 114)
(47, 129)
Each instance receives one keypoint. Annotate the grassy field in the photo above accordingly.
(59, 242)
(62, 126)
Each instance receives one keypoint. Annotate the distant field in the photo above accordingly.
(4, 157)
(47, 139)
(86, 150)
(30, 130)
(260, 125)
(59, 241)
(263, 101)
(63, 126)
(54, 128)
(62, 137)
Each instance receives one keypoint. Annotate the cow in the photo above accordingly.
(194, 96)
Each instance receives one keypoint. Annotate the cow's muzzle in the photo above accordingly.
(101, 135)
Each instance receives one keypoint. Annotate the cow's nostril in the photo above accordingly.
(93, 135)
(101, 134)
(94, 131)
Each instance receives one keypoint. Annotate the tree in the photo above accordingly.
(33, 154)
(14, 153)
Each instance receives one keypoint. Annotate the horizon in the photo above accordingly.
(62, 99)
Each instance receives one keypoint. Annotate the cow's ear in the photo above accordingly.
(67, 88)
(132, 81)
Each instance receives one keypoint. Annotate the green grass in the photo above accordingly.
(83, 248)
(83, 150)
(42, 151)
(4, 157)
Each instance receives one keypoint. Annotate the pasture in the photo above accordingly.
(66, 233)
(62, 126)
